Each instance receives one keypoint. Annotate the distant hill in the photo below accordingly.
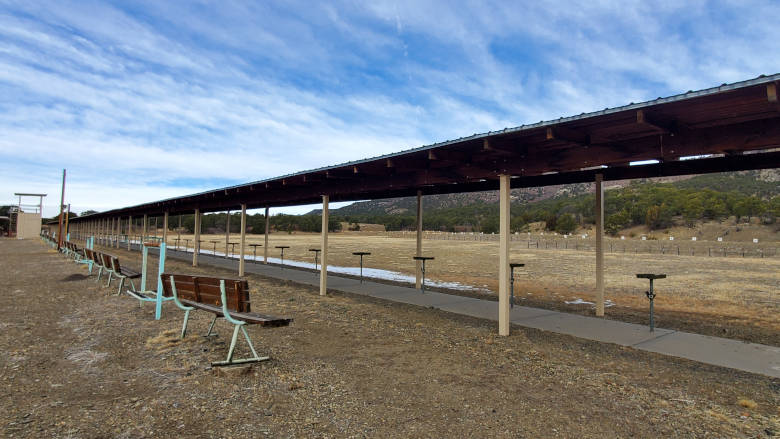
(657, 202)
(765, 184)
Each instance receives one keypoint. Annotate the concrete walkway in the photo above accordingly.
(749, 357)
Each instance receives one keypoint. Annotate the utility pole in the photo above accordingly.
(62, 201)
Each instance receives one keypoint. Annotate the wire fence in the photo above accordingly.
(612, 245)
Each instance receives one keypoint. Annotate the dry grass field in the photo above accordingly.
(731, 297)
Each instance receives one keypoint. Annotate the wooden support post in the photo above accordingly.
(145, 228)
(243, 241)
(267, 230)
(165, 227)
(418, 270)
(129, 230)
(503, 256)
(599, 245)
(196, 244)
(324, 248)
(227, 233)
(117, 231)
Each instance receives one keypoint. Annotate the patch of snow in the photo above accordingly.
(578, 301)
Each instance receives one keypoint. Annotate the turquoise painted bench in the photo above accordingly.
(226, 298)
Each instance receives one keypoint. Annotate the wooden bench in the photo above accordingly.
(92, 258)
(123, 273)
(226, 298)
(66, 248)
(78, 254)
(69, 248)
(98, 260)
(105, 262)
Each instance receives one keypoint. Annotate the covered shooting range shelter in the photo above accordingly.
(728, 128)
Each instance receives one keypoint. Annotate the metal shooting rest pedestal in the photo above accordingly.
(512, 266)
(232, 249)
(650, 294)
(423, 259)
(361, 254)
(316, 255)
(282, 247)
(254, 248)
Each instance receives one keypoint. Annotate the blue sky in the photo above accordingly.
(153, 99)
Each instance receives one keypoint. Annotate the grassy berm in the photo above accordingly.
(79, 361)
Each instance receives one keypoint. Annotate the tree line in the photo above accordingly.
(656, 205)
(255, 224)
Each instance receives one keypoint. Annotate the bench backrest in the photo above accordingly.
(115, 264)
(89, 254)
(97, 258)
(106, 259)
(203, 289)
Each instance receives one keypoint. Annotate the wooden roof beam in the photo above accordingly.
(771, 95)
(339, 174)
(645, 119)
(493, 146)
(470, 172)
(436, 176)
(568, 135)
(445, 156)
(313, 178)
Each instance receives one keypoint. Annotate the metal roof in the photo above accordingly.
(730, 119)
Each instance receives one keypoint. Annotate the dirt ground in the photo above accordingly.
(81, 362)
(725, 297)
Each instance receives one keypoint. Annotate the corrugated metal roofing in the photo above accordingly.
(728, 115)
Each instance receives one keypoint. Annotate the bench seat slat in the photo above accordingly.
(249, 317)
(132, 274)
(124, 271)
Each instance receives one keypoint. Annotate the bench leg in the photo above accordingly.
(100, 273)
(108, 284)
(229, 362)
(211, 327)
(249, 342)
(184, 325)
(121, 284)
(132, 288)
